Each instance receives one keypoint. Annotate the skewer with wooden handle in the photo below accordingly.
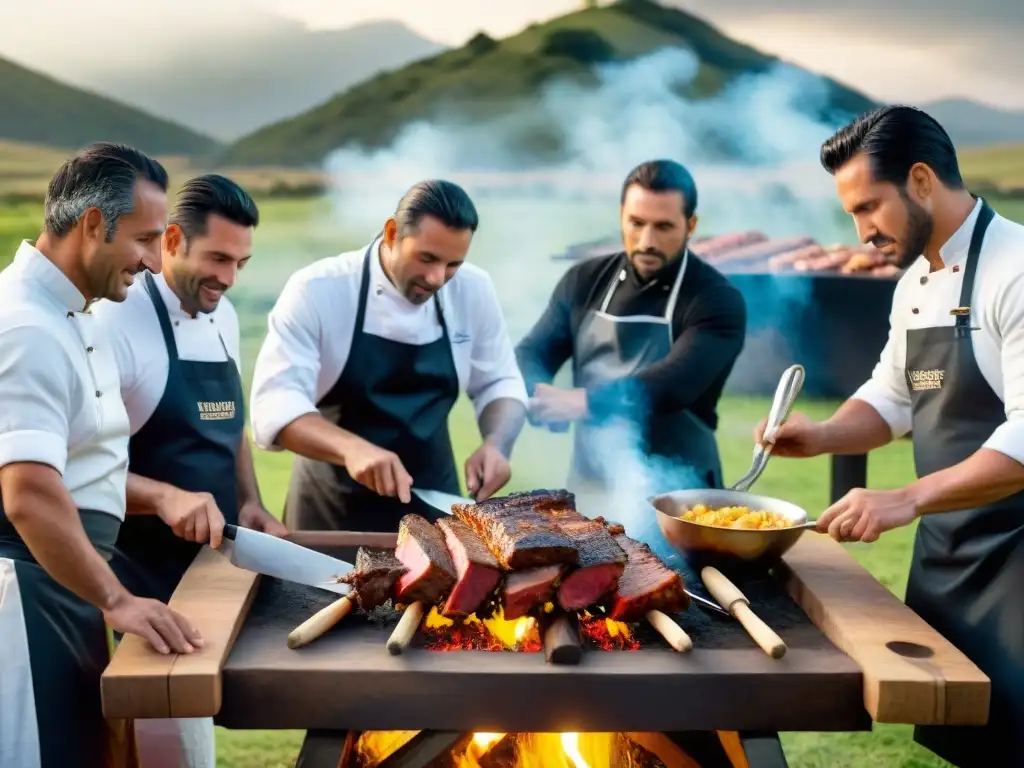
(321, 621)
(729, 597)
(667, 627)
(406, 629)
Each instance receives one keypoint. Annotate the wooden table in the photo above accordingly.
(855, 654)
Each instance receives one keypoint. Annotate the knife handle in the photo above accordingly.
(320, 622)
(230, 531)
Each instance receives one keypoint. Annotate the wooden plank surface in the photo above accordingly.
(911, 673)
(139, 682)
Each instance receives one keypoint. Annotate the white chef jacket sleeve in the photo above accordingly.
(37, 394)
(494, 372)
(886, 391)
(1008, 437)
(288, 365)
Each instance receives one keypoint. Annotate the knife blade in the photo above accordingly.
(440, 500)
(283, 559)
(705, 603)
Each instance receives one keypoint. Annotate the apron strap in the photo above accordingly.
(963, 312)
(163, 317)
(674, 296)
(619, 277)
(364, 286)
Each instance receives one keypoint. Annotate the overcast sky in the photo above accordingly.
(915, 50)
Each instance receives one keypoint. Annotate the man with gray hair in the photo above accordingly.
(64, 460)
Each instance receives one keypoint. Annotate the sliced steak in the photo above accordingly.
(430, 572)
(477, 570)
(518, 529)
(374, 576)
(524, 590)
(646, 584)
(601, 561)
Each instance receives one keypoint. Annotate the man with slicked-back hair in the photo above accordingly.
(367, 352)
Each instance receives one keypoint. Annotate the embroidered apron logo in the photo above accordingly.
(216, 410)
(923, 380)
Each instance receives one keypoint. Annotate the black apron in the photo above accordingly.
(967, 573)
(191, 442)
(69, 648)
(606, 348)
(398, 397)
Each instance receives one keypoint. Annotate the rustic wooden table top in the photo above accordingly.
(854, 651)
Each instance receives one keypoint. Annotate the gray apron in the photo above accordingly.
(678, 447)
(967, 572)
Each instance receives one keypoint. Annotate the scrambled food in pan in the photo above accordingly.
(735, 517)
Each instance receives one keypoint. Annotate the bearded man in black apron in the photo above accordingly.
(950, 374)
(63, 462)
(176, 338)
(366, 354)
(653, 333)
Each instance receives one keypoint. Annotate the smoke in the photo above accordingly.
(753, 150)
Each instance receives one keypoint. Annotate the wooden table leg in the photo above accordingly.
(748, 749)
(324, 749)
(848, 472)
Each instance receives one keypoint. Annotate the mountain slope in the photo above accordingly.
(260, 74)
(486, 78)
(972, 124)
(40, 109)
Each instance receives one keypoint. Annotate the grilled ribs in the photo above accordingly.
(477, 570)
(518, 529)
(374, 576)
(528, 588)
(646, 584)
(430, 572)
(601, 560)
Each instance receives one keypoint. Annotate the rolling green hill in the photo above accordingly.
(486, 78)
(39, 109)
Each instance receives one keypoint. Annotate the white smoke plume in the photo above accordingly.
(634, 114)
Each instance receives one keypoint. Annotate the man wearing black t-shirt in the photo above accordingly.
(653, 333)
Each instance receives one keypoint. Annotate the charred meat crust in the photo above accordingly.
(478, 572)
(518, 529)
(373, 579)
(646, 584)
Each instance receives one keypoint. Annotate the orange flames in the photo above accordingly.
(500, 634)
(524, 750)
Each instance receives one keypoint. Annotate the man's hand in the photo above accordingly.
(487, 471)
(798, 437)
(863, 515)
(554, 405)
(253, 515)
(166, 630)
(379, 470)
(192, 516)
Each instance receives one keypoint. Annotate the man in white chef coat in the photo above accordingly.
(952, 374)
(64, 458)
(177, 342)
(367, 352)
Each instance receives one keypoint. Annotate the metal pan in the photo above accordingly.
(759, 547)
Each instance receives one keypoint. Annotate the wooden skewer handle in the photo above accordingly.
(406, 629)
(667, 627)
(763, 635)
(321, 621)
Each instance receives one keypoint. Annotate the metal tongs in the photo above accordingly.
(785, 395)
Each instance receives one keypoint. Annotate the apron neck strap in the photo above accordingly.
(364, 287)
(963, 312)
(162, 315)
(670, 308)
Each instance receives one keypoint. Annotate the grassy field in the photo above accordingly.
(298, 231)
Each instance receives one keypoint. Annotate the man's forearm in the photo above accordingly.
(500, 423)
(984, 477)
(245, 474)
(41, 510)
(145, 495)
(855, 428)
(312, 436)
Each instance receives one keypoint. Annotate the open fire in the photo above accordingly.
(496, 633)
(523, 750)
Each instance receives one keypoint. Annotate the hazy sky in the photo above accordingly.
(915, 50)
